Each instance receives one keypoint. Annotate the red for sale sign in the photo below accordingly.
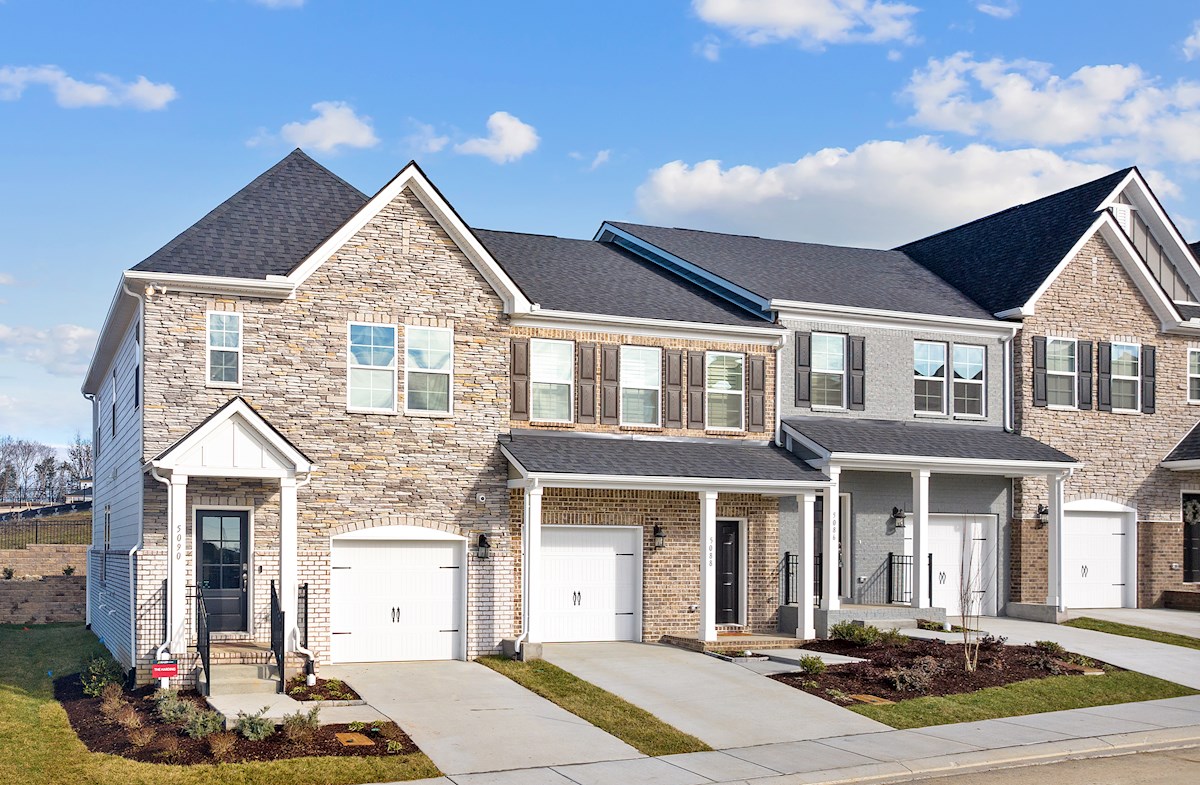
(167, 669)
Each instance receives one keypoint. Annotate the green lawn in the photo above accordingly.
(38, 747)
(1055, 693)
(1132, 631)
(636, 727)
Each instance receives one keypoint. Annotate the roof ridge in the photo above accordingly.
(300, 152)
(753, 237)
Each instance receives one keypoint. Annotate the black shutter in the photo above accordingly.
(857, 363)
(1039, 371)
(1147, 379)
(585, 389)
(803, 369)
(695, 388)
(673, 378)
(1104, 376)
(610, 385)
(1083, 364)
(756, 393)
(519, 378)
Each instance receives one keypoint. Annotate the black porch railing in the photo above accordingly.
(818, 584)
(302, 615)
(203, 644)
(277, 637)
(789, 579)
(900, 578)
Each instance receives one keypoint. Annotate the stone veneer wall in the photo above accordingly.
(671, 576)
(47, 560)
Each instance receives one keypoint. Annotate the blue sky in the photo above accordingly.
(864, 122)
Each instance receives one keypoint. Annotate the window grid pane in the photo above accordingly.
(427, 349)
(1060, 356)
(929, 371)
(641, 367)
(1125, 394)
(828, 352)
(550, 401)
(724, 372)
(826, 389)
(639, 407)
(223, 366)
(551, 361)
(372, 366)
(1125, 359)
(429, 392)
(968, 398)
(724, 410)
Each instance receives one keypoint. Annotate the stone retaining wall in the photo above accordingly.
(54, 598)
(45, 560)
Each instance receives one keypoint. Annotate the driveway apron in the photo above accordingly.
(719, 703)
(468, 718)
(1162, 619)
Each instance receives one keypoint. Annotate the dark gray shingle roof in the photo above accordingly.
(1188, 311)
(1000, 260)
(807, 272)
(1188, 449)
(645, 457)
(267, 228)
(592, 277)
(890, 437)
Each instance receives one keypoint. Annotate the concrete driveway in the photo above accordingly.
(468, 718)
(1162, 619)
(718, 702)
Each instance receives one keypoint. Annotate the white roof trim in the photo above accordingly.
(169, 459)
(1181, 466)
(1183, 259)
(412, 178)
(121, 311)
(767, 335)
(876, 317)
(272, 286)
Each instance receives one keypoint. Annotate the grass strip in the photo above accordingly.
(1055, 693)
(636, 727)
(1133, 631)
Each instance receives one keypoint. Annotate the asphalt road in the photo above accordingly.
(1170, 767)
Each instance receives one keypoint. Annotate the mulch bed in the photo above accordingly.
(324, 689)
(101, 735)
(999, 665)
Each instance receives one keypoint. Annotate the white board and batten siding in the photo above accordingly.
(592, 578)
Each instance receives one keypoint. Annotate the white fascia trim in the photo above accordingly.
(1146, 283)
(121, 310)
(168, 460)
(411, 177)
(821, 453)
(1143, 194)
(642, 483)
(661, 328)
(1013, 313)
(1181, 466)
(213, 284)
(875, 317)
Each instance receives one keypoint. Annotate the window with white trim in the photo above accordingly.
(224, 349)
(1062, 372)
(428, 369)
(107, 543)
(641, 385)
(113, 413)
(828, 373)
(372, 367)
(725, 390)
(1126, 377)
(929, 377)
(1193, 375)
(551, 380)
(969, 384)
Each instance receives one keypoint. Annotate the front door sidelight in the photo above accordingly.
(223, 567)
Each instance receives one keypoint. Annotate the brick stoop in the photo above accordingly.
(726, 644)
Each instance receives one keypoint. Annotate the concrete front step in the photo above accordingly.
(731, 644)
(238, 679)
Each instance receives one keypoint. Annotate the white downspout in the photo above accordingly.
(1009, 397)
(158, 654)
(87, 604)
(779, 390)
(524, 572)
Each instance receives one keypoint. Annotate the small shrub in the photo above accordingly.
(129, 719)
(334, 684)
(1046, 662)
(173, 710)
(394, 747)
(1051, 647)
(813, 666)
(990, 641)
(859, 635)
(927, 624)
(68, 570)
(295, 691)
(112, 708)
(113, 692)
(356, 726)
(8, 573)
(168, 749)
(140, 737)
(917, 677)
(255, 727)
(98, 673)
(1080, 660)
(893, 638)
(837, 696)
(221, 744)
(201, 723)
(299, 728)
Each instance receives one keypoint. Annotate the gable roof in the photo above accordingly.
(585, 276)
(249, 442)
(1188, 448)
(812, 273)
(1000, 260)
(266, 228)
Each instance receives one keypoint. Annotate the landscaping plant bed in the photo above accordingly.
(323, 690)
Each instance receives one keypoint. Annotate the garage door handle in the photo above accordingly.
(395, 615)
(1083, 571)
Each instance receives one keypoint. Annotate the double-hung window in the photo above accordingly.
(372, 382)
(551, 380)
(828, 374)
(428, 369)
(929, 377)
(1193, 375)
(224, 349)
(641, 385)
(1126, 377)
(725, 389)
(969, 387)
(1062, 372)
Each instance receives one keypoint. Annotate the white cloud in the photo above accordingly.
(895, 55)
(811, 23)
(61, 350)
(708, 47)
(1006, 9)
(336, 125)
(71, 93)
(880, 194)
(1191, 44)
(1106, 111)
(508, 139)
(425, 138)
(600, 160)
(7, 280)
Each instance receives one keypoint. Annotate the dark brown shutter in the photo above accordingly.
(1083, 364)
(585, 389)
(695, 388)
(1104, 376)
(673, 377)
(803, 369)
(1039, 371)
(610, 384)
(756, 393)
(857, 363)
(519, 378)
(1147, 379)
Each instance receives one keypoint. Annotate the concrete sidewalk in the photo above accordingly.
(1162, 619)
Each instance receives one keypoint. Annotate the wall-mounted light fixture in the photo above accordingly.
(1043, 516)
(898, 517)
(483, 548)
(660, 538)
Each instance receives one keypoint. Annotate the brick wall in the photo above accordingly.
(55, 598)
(38, 560)
(1182, 600)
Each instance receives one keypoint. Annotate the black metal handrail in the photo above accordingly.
(788, 565)
(929, 579)
(277, 636)
(899, 578)
(203, 643)
(302, 615)
(818, 583)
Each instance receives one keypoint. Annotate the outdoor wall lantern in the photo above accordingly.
(483, 547)
(660, 538)
(1043, 516)
(898, 517)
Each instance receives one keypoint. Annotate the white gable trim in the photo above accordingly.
(213, 449)
(1137, 190)
(412, 178)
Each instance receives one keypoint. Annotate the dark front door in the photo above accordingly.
(222, 571)
(729, 579)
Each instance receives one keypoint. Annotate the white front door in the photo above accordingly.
(396, 600)
(963, 550)
(592, 583)
(1095, 554)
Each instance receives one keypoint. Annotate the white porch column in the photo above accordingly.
(1055, 485)
(177, 528)
(533, 562)
(288, 597)
(805, 571)
(920, 539)
(708, 566)
(831, 590)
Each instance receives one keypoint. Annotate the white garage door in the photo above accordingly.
(964, 545)
(592, 579)
(396, 600)
(1095, 559)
